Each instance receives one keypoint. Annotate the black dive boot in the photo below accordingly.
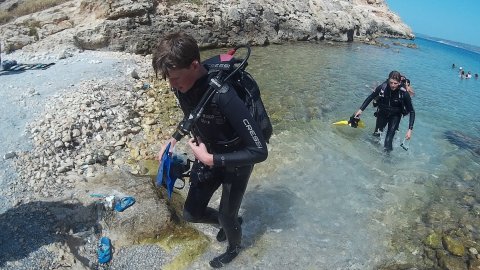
(226, 257)
(221, 236)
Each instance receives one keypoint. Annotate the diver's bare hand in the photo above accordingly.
(358, 113)
(164, 146)
(408, 135)
(200, 151)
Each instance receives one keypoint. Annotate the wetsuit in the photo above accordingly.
(233, 137)
(391, 106)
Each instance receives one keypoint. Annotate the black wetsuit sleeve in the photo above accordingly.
(369, 99)
(409, 107)
(255, 147)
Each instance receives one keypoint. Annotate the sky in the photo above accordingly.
(456, 20)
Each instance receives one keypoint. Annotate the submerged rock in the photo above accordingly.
(454, 246)
(452, 263)
(434, 240)
(463, 141)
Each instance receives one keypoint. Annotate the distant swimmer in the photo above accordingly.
(476, 75)
(468, 76)
(453, 66)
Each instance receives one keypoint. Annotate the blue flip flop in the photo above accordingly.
(124, 203)
(104, 251)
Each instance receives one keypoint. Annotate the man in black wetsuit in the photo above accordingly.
(226, 141)
(392, 104)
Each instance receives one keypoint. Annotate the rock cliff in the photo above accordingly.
(134, 25)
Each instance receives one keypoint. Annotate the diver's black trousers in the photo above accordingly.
(203, 183)
(393, 121)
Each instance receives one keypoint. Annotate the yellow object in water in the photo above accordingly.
(361, 124)
(341, 123)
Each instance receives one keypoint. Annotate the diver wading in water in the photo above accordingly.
(227, 141)
(392, 103)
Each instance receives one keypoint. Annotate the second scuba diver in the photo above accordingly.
(392, 104)
(226, 142)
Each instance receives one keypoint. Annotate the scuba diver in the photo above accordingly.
(226, 140)
(391, 103)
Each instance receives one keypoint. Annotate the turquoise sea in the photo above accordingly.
(328, 197)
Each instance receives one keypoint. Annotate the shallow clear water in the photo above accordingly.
(328, 197)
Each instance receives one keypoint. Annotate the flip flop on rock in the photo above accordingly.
(124, 203)
(104, 250)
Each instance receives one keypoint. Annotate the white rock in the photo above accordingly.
(76, 133)
(140, 103)
(150, 121)
(67, 138)
(58, 144)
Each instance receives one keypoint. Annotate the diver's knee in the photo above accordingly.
(187, 216)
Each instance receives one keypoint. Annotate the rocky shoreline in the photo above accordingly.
(81, 130)
(98, 136)
(79, 139)
(134, 26)
(101, 135)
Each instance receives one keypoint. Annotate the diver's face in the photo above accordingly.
(183, 79)
(393, 84)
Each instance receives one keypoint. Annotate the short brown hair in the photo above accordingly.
(395, 75)
(176, 50)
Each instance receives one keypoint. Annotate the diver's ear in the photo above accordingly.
(195, 64)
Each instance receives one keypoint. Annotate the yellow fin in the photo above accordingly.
(341, 123)
(361, 124)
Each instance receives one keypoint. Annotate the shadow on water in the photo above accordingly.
(27, 227)
(463, 141)
(11, 72)
(267, 209)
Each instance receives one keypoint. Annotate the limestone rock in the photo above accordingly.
(133, 26)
